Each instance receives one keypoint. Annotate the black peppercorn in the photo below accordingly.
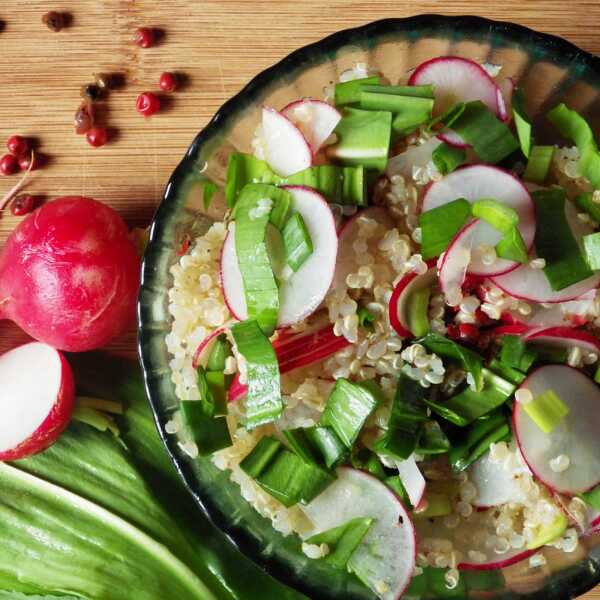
(54, 20)
(91, 91)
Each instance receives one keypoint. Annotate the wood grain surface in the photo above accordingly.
(219, 45)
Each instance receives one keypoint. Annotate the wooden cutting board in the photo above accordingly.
(219, 45)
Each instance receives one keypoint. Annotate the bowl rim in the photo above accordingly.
(565, 51)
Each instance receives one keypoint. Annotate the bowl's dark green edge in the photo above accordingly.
(509, 33)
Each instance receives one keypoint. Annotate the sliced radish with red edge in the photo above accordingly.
(38, 397)
(564, 337)
(315, 119)
(576, 436)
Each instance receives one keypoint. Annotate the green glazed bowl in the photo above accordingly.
(548, 68)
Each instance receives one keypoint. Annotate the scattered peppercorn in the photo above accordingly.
(54, 20)
(105, 81)
(145, 37)
(91, 91)
(17, 145)
(84, 117)
(97, 136)
(168, 82)
(147, 104)
(9, 164)
(22, 205)
(30, 161)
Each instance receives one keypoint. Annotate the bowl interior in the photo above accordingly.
(548, 70)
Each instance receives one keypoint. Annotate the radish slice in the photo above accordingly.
(398, 305)
(483, 181)
(496, 482)
(564, 337)
(205, 347)
(286, 149)
(315, 119)
(505, 92)
(346, 256)
(576, 436)
(385, 559)
(454, 263)
(413, 157)
(38, 397)
(510, 329)
(456, 79)
(302, 293)
(412, 479)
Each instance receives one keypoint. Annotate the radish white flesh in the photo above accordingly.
(385, 559)
(496, 482)
(286, 149)
(482, 181)
(564, 337)
(398, 305)
(413, 157)
(455, 80)
(455, 261)
(315, 119)
(305, 289)
(412, 479)
(576, 436)
(505, 92)
(37, 395)
(346, 256)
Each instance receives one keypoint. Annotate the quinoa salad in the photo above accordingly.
(390, 341)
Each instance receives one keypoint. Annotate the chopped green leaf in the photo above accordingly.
(243, 169)
(260, 457)
(497, 214)
(395, 484)
(297, 242)
(432, 440)
(365, 318)
(591, 247)
(417, 311)
(208, 433)
(212, 402)
(509, 373)
(366, 460)
(348, 92)
(448, 158)
(546, 410)
(585, 202)
(538, 165)
(512, 246)
(219, 353)
(328, 445)
(522, 122)
(512, 351)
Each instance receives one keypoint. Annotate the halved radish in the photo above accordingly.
(564, 337)
(286, 149)
(505, 92)
(413, 157)
(496, 482)
(576, 436)
(412, 479)
(398, 305)
(302, 293)
(204, 348)
(37, 393)
(483, 181)
(456, 79)
(453, 263)
(385, 559)
(346, 256)
(315, 119)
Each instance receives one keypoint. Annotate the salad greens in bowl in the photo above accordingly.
(369, 320)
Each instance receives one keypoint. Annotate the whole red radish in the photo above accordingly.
(37, 397)
(69, 274)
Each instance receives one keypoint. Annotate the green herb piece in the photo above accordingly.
(512, 351)
(437, 505)
(243, 169)
(546, 410)
(364, 138)
(417, 312)
(491, 139)
(476, 439)
(591, 247)
(548, 533)
(366, 460)
(509, 373)
(208, 433)
(342, 540)
(415, 91)
(468, 405)
(404, 426)
(448, 158)
(348, 92)
(395, 484)
(263, 401)
(297, 242)
(212, 399)
(208, 191)
(512, 247)
(471, 361)
(299, 443)
(538, 165)
(260, 457)
(592, 498)
(349, 406)
(555, 243)
(221, 350)
(432, 440)
(440, 225)
(328, 445)
(586, 203)
(522, 122)
(365, 318)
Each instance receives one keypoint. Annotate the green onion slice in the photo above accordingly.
(417, 312)
(296, 241)
(432, 439)
(586, 203)
(591, 247)
(348, 92)
(538, 165)
(550, 532)
(208, 433)
(448, 158)
(328, 445)
(522, 122)
(546, 410)
(592, 498)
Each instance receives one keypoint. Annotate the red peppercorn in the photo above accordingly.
(145, 37)
(97, 136)
(31, 158)
(9, 164)
(147, 104)
(168, 82)
(17, 145)
(84, 117)
(468, 332)
(452, 332)
(22, 205)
